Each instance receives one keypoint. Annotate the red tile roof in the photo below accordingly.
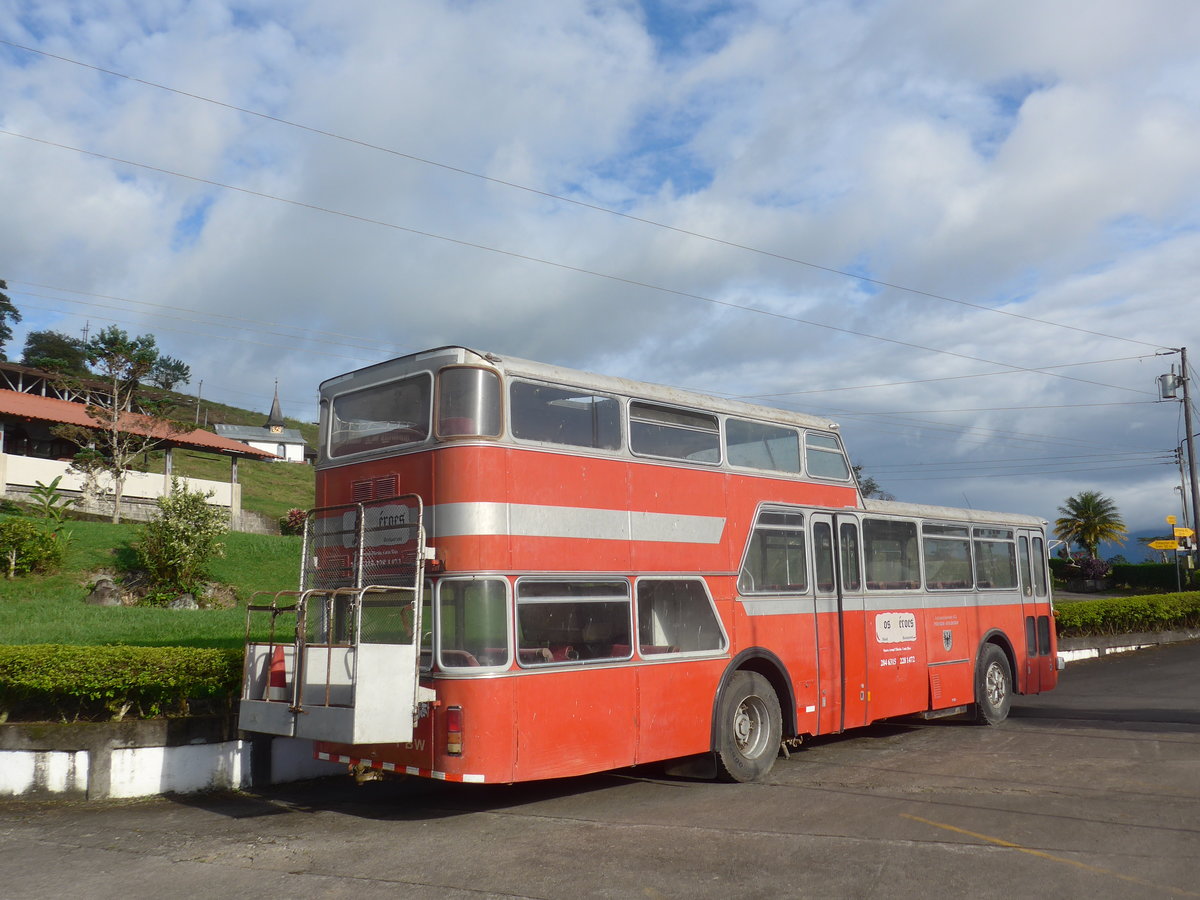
(49, 409)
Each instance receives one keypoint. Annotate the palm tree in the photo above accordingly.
(1089, 519)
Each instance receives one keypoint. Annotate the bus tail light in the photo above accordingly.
(454, 730)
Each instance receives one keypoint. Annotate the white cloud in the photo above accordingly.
(997, 153)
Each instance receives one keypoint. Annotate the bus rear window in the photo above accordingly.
(468, 402)
(386, 415)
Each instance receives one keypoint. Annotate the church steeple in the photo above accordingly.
(275, 421)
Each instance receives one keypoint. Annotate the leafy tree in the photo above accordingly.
(7, 312)
(1088, 519)
(178, 546)
(869, 487)
(169, 371)
(55, 352)
(127, 425)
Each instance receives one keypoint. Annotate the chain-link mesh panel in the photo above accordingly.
(392, 541)
(330, 548)
(387, 617)
(378, 542)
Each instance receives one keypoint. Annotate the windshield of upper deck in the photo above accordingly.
(381, 416)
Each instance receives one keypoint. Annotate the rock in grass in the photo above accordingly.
(184, 601)
(105, 593)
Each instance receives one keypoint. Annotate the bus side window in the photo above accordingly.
(776, 560)
(472, 623)
(892, 556)
(675, 615)
(571, 418)
(1039, 567)
(561, 621)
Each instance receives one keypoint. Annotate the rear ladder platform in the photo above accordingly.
(339, 659)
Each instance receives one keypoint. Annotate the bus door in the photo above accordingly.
(841, 622)
(1039, 672)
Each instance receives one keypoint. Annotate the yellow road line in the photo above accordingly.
(1070, 862)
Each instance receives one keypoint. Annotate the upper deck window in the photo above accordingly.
(824, 457)
(385, 415)
(673, 433)
(571, 417)
(754, 445)
(468, 402)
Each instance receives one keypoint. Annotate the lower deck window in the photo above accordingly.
(676, 616)
(775, 561)
(472, 623)
(572, 621)
(892, 555)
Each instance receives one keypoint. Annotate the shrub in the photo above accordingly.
(1160, 576)
(293, 522)
(1094, 568)
(43, 681)
(1121, 615)
(178, 546)
(25, 548)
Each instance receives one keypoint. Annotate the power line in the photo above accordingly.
(1016, 459)
(558, 265)
(885, 384)
(564, 199)
(1070, 471)
(913, 412)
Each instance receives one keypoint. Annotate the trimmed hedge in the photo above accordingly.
(1121, 615)
(71, 683)
(1159, 576)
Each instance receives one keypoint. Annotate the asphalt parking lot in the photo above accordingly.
(1091, 790)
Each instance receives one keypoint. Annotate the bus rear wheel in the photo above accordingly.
(993, 686)
(749, 728)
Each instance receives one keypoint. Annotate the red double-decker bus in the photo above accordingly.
(518, 571)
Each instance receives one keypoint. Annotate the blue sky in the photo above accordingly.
(763, 155)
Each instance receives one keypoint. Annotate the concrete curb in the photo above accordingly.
(1080, 648)
(144, 758)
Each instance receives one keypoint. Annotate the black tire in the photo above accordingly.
(993, 686)
(749, 728)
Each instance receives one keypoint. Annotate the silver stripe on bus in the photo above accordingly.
(529, 520)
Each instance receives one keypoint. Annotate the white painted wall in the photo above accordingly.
(150, 771)
(27, 471)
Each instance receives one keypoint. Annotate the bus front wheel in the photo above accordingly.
(749, 728)
(993, 686)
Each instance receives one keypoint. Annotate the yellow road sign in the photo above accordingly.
(1184, 532)
(1170, 520)
(1165, 545)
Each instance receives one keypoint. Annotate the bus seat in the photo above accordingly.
(534, 655)
(560, 652)
(459, 659)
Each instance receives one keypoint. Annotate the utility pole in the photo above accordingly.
(1191, 439)
(200, 390)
